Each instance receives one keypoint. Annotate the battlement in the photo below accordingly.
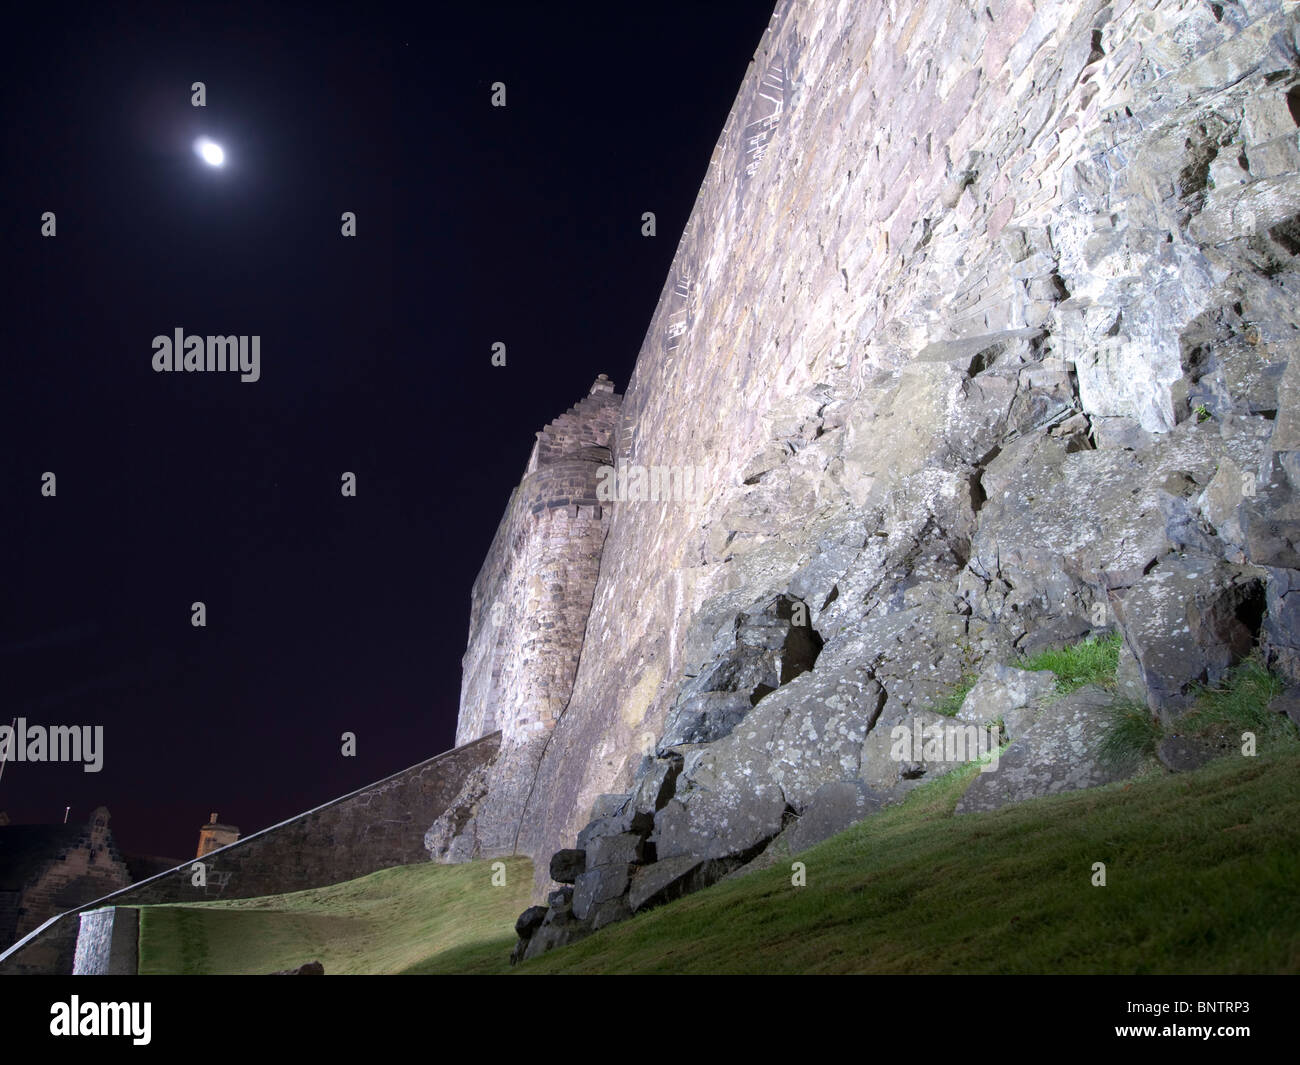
(588, 423)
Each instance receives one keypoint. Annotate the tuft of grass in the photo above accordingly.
(1092, 661)
(1131, 735)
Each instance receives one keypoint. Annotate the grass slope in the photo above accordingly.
(418, 918)
(1200, 875)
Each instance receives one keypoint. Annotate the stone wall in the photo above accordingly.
(940, 249)
(376, 827)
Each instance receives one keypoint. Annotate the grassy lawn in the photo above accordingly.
(416, 918)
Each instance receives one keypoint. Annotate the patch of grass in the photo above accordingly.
(951, 703)
(423, 918)
(1092, 661)
(1241, 705)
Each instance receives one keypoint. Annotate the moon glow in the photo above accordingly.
(209, 151)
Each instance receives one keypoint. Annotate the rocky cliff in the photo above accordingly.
(981, 339)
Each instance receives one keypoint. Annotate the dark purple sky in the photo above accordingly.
(475, 225)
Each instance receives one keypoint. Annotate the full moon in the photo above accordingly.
(210, 152)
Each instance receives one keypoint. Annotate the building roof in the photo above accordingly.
(25, 849)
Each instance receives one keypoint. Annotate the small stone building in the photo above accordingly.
(46, 869)
(214, 835)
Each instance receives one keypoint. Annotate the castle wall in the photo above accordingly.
(885, 183)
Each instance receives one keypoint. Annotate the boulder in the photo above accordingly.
(752, 654)
(559, 928)
(1281, 630)
(1288, 703)
(529, 921)
(550, 936)
(1222, 501)
(1058, 753)
(1015, 723)
(567, 865)
(1004, 688)
(806, 734)
(609, 911)
(656, 785)
(607, 805)
(605, 826)
(1053, 632)
(702, 717)
(1181, 754)
(598, 885)
(911, 746)
(626, 848)
(733, 820)
(1186, 622)
(309, 968)
(671, 878)
(834, 808)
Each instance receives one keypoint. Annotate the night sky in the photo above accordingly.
(474, 224)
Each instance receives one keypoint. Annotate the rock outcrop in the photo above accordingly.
(983, 337)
